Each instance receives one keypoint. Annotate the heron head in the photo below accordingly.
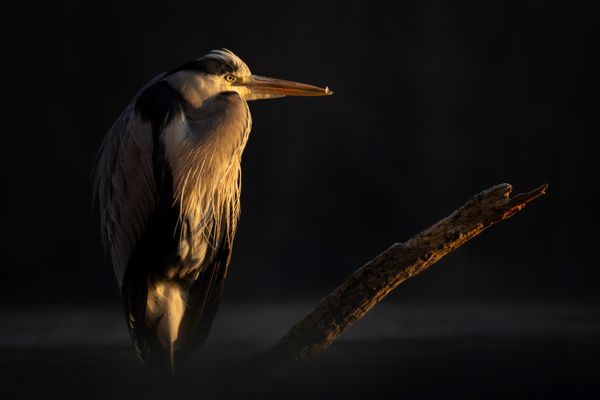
(222, 71)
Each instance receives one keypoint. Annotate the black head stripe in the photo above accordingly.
(208, 65)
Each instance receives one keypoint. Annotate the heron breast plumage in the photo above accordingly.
(204, 150)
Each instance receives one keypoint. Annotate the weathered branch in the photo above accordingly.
(372, 282)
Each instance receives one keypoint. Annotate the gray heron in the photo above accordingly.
(167, 182)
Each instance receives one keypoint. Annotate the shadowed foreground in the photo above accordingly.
(419, 351)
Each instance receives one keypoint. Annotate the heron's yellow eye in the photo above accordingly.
(230, 78)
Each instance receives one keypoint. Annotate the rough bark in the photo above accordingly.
(377, 278)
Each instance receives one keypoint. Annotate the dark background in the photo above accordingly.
(434, 101)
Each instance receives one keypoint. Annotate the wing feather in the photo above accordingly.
(125, 184)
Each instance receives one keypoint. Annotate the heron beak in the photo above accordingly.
(261, 87)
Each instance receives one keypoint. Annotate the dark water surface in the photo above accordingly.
(427, 351)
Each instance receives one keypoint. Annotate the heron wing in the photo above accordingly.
(125, 183)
